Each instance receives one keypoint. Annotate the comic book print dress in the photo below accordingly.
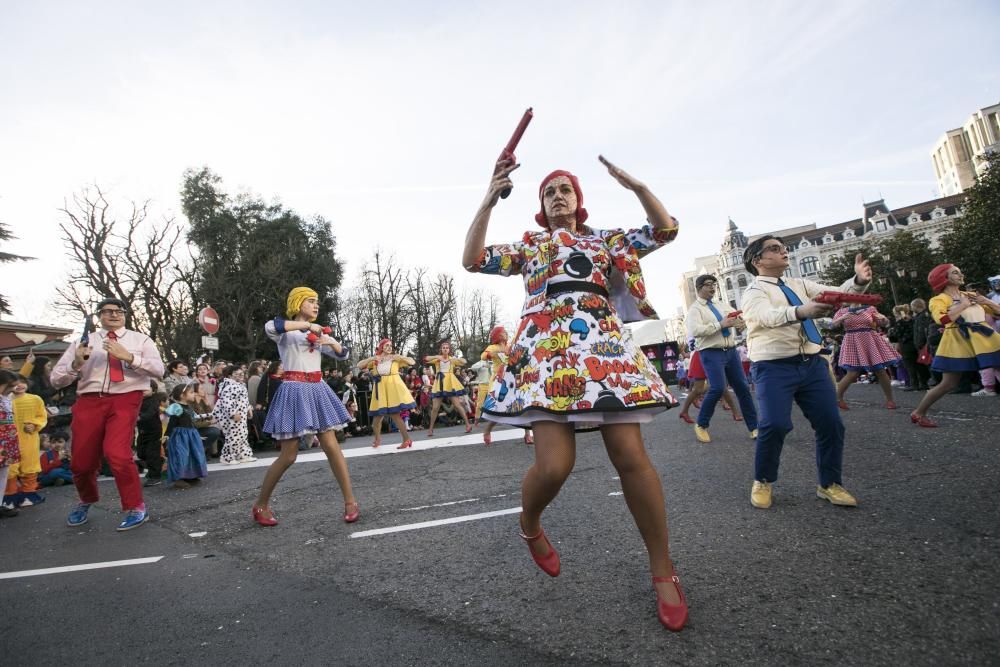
(573, 361)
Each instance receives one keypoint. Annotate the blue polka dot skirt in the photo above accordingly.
(301, 408)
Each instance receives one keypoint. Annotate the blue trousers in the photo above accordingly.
(722, 367)
(806, 380)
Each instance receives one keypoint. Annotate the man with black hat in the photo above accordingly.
(784, 345)
(112, 371)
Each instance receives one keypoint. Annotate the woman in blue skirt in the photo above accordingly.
(304, 404)
(186, 462)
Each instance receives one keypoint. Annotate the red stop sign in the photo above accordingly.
(209, 320)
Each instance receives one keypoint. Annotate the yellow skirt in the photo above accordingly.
(956, 353)
(445, 385)
(389, 395)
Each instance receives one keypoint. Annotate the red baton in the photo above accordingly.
(508, 151)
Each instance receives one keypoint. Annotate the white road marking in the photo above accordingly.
(436, 522)
(617, 493)
(199, 534)
(77, 568)
(453, 502)
(386, 448)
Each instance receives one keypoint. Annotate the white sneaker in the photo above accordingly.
(984, 392)
(248, 459)
(231, 463)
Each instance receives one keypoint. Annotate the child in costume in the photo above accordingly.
(186, 463)
(496, 354)
(232, 412)
(864, 350)
(444, 385)
(149, 429)
(10, 450)
(304, 404)
(390, 395)
(54, 461)
(30, 418)
(967, 342)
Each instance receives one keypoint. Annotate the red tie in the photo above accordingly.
(115, 371)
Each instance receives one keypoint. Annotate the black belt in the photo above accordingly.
(555, 289)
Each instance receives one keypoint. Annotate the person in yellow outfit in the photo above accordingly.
(445, 385)
(30, 418)
(496, 354)
(389, 393)
(967, 344)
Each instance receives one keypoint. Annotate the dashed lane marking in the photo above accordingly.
(436, 522)
(78, 568)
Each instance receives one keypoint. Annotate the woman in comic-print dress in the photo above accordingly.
(572, 366)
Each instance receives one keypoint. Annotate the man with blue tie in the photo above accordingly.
(715, 340)
(784, 346)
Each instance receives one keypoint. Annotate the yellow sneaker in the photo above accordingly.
(837, 495)
(760, 495)
(753, 434)
(702, 434)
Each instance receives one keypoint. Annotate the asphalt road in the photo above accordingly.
(908, 577)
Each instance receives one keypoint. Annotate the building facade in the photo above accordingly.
(958, 155)
(810, 248)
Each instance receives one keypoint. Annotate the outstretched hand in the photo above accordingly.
(622, 176)
(862, 270)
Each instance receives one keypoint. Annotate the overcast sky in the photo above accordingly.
(386, 118)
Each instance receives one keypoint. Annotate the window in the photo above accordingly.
(809, 266)
(729, 284)
(848, 233)
(828, 239)
(741, 281)
(880, 226)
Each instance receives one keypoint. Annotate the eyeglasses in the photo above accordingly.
(774, 247)
(111, 312)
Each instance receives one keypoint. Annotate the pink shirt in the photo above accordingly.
(94, 374)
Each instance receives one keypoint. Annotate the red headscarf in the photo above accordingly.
(581, 212)
(938, 277)
(495, 335)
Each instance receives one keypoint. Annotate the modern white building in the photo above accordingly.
(810, 247)
(958, 155)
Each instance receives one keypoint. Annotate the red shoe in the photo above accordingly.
(923, 422)
(430, 433)
(672, 616)
(737, 418)
(529, 439)
(378, 441)
(487, 439)
(468, 428)
(890, 405)
(684, 416)
(406, 444)
(258, 516)
(843, 405)
(351, 517)
(725, 407)
(550, 563)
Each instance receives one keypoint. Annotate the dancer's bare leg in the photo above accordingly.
(338, 464)
(555, 455)
(285, 458)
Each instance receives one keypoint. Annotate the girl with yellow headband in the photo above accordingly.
(304, 404)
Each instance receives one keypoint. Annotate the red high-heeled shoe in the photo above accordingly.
(377, 442)
(430, 433)
(406, 444)
(672, 616)
(528, 438)
(487, 439)
(890, 405)
(843, 405)
(468, 428)
(549, 563)
(351, 517)
(258, 516)
(685, 417)
(923, 422)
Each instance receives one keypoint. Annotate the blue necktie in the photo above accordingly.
(725, 330)
(812, 333)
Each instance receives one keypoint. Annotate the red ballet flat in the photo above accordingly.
(890, 405)
(922, 422)
(430, 433)
(672, 616)
(468, 428)
(351, 517)
(487, 439)
(685, 417)
(528, 438)
(843, 405)
(549, 563)
(378, 441)
(258, 516)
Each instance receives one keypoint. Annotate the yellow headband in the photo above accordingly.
(296, 298)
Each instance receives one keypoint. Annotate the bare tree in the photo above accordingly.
(433, 304)
(476, 313)
(134, 260)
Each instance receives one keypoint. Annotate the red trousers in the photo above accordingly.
(103, 424)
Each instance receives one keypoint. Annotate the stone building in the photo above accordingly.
(958, 155)
(810, 247)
